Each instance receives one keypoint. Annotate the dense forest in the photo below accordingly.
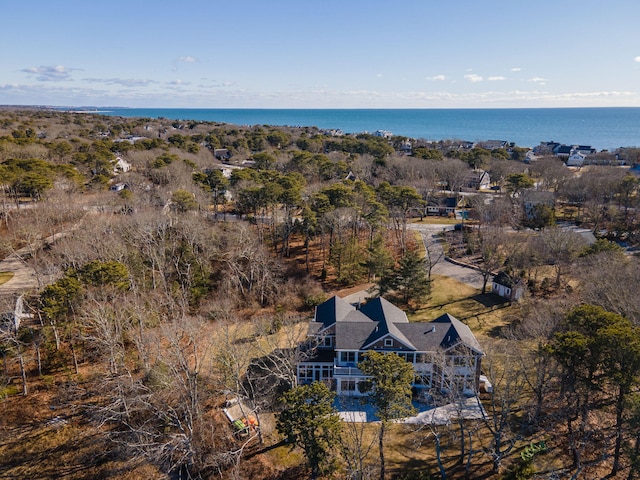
(169, 268)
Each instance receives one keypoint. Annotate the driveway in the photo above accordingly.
(445, 267)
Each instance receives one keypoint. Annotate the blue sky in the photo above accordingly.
(321, 54)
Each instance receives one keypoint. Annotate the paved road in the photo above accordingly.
(24, 277)
(445, 267)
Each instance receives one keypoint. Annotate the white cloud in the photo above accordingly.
(125, 82)
(538, 80)
(379, 75)
(582, 95)
(215, 91)
(637, 59)
(496, 78)
(55, 73)
(473, 78)
(436, 78)
(183, 59)
(516, 69)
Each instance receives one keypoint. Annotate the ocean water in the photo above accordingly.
(602, 128)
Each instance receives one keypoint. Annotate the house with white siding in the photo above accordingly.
(506, 286)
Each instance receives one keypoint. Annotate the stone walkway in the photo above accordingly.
(468, 408)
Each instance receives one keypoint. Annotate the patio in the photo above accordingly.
(353, 409)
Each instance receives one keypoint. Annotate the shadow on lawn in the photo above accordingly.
(487, 300)
(490, 300)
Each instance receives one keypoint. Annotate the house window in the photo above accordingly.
(348, 385)
(423, 358)
(460, 361)
(388, 342)
(407, 356)
(327, 371)
(348, 357)
(305, 373)
(327, 341)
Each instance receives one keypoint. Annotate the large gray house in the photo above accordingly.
(444, 353)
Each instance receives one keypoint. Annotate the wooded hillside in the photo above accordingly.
(168, 267)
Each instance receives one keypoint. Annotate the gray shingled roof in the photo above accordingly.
(388, 317)
(503, 278)
(457, 331)
(382, 310)
(353, 335)
(332, 311)
(356, 316)
(378, 318)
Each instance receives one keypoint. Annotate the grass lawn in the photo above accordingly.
(5, 277)
(485, 314)
(437, 220)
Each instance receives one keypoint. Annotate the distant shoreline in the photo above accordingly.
(603, 128)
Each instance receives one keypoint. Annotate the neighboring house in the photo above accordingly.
(532, 198)
(351, 176)
(333, 132)
(121, 166)
(545, 148)
(444, 353)
(117, 187)
(406, 147)
(477, 179)
(443, 207)
(576, 159)
(567, 150)
(226, 172)
(563, 150)
(584, 149)
(221, 154)
(530, 157)
(225, 169)
(383, 133)
(493, 144)
(506, 286)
